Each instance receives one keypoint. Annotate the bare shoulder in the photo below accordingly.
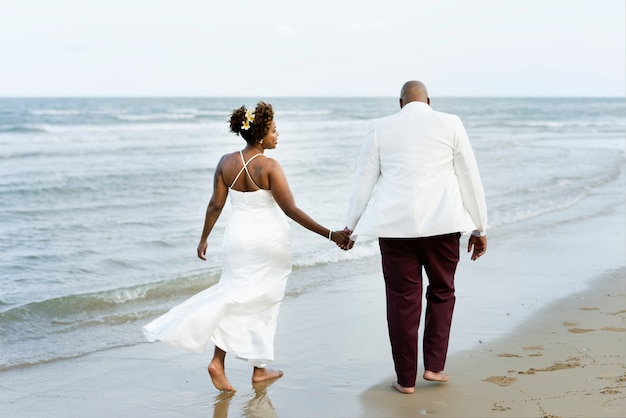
(229, 156)
(268, 160)
(227, 159)
(270, 163)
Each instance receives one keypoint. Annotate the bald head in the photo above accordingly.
(413, 91)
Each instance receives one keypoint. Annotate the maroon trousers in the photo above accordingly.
(402, 260)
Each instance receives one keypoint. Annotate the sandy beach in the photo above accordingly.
(568, 360)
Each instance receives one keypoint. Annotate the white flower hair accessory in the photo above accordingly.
(247, 121)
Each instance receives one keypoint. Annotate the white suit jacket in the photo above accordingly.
(416, 177)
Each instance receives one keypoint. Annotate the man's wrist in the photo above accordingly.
(478, 233)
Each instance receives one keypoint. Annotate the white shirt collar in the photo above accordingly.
(416, 104)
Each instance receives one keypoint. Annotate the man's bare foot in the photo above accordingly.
(218, 377)
(262, 374)
(436, 376)
(402, 389)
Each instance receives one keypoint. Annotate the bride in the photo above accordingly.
(238, 314)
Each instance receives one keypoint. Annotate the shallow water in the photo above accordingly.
(102, 200)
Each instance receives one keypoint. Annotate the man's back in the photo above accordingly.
(422, 168)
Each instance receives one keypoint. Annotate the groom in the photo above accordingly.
(417, 188)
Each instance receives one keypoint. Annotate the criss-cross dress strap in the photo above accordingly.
(245, 167)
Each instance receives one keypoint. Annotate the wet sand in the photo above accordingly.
(569, 359)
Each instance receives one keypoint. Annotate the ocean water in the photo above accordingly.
(102, 200)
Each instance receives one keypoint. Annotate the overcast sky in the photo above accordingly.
(313, 48)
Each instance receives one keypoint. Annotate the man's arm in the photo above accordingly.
(470, 185)
(365, 178)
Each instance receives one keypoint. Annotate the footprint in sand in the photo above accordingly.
(580, 330)
(500, 408)
(534, 347)
(570, 363)
(508, 355)
(500, 380)
(614, 329)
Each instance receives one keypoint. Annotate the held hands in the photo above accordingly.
(479, 244)
(350, 241)
(342, 239)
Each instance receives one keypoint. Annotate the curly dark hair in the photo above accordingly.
(263, 117)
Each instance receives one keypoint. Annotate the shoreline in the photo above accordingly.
(566, 360)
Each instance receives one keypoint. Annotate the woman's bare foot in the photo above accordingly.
(436, 376)
(218, 376)
(262, 374)
(402, 389)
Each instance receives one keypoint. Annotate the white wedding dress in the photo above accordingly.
(239, 313)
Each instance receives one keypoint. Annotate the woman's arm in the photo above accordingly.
(283, 196)
(214, 209)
